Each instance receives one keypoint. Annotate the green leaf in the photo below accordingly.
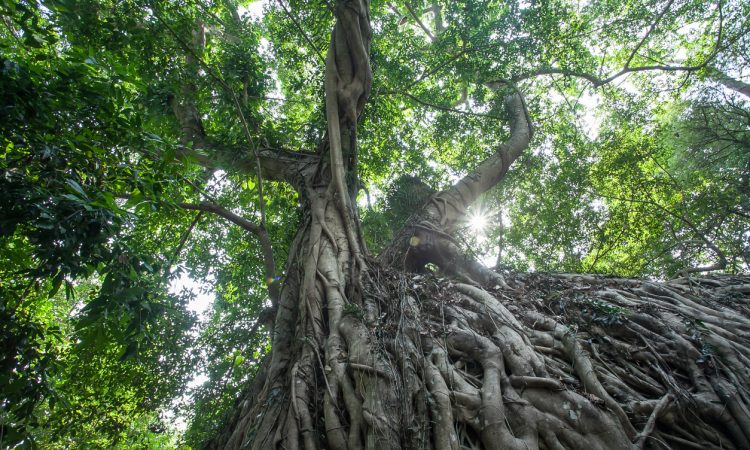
(77, 188)
(131, 351)
(56, 283)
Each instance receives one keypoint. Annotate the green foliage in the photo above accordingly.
(404, 197)
(353, 310)
(644, 176)
(651, 195)
(84, 362)
(32, 343)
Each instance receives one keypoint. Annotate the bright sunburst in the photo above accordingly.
(478, 222)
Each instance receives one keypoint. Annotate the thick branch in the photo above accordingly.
(427, 238)
(491, 171)
(259, 232)
(282, 165)
(730, 83)
(275, 164)
(192, 133)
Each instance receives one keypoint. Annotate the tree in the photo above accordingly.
(184, 158)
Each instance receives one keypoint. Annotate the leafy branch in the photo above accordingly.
(258, 230)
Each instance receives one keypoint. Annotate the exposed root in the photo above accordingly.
(556, 362)
(640, 440)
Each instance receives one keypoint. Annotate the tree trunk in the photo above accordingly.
(368, 354)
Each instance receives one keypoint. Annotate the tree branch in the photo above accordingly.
(192, 135)
(419, 21)
(276, 164)
(259, 232)
(729, 82)
(597, 81)
(490, 171)
(301, 30)
(441, 107)
(648, 33)
(267, 163)
(185, 236)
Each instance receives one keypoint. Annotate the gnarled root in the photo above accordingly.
(556, 362)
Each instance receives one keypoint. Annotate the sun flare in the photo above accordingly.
(478, 222)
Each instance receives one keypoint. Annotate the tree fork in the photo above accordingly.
(427, 238)
(538, 361)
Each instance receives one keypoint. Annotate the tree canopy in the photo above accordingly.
(145, 140)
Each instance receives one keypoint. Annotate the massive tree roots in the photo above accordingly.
(546, 361)
(371, 358)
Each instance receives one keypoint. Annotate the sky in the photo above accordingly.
(254, 9)
(202, 292)
(200, 304)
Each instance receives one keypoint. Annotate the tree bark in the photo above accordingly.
(369, 354)
(729, 82)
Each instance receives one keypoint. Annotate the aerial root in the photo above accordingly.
(442, 415)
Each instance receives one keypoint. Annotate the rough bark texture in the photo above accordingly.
(552, 361)
(370, 354)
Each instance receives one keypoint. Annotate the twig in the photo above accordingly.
(648, 33)
(440, 107)
(185, 236)
(301, 30)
